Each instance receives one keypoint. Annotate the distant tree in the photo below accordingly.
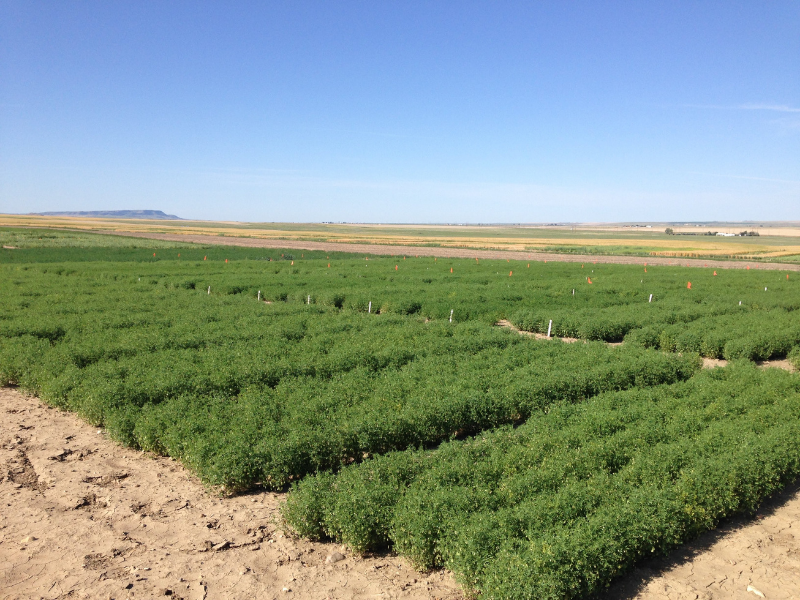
(669, 231)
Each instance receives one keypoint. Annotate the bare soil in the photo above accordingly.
(82, 517)
(744, 559)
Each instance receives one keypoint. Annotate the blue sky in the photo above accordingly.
(403, 111)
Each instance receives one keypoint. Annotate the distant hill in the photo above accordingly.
(113, 214)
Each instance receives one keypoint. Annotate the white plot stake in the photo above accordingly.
(765, 289)
(573, 292)
(309, 300)
(209, 290)
(451, 315)
(740, 302)
(651, 298)
(549, 327)
(369, 308)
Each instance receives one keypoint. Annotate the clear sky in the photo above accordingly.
(403, 111)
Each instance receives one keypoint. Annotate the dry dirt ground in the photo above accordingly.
(81, 517)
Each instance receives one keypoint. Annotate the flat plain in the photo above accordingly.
(393, 406)
(776, 241)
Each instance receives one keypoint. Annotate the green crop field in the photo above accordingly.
(381, 394)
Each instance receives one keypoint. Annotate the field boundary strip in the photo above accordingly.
(440, 252)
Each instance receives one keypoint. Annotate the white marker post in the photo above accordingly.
(651, 298)
(209, 290)
(451, 315)
(573, 292)
(369, 308)
(309, 300)
(549, 327)
(740, 302)
(259, 295)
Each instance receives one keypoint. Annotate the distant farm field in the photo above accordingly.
(774, 243)
(381, 394)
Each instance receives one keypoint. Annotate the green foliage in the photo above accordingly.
(561, 505)
(529, 467)
(247, 392)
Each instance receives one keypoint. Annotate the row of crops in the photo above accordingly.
(561, 505)
(381, 391)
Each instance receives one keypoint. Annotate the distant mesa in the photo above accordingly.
(112, 214)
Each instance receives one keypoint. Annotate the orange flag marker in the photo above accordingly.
(226, 260)
(329, 265)
(589, 279)
(451, 269)
(154, 253)
(292, 262)
(205, 257)
(395, 267)
(510, 273)
(688, 285)
(645, 269)
(715, 273)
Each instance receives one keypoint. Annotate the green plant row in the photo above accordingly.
(560, 506)
(751, 335)
(284, 397)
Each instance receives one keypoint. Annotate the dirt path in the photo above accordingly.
(708, 363)
(455, 252)
(83, 517)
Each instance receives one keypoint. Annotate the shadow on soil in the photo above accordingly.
(629, 586)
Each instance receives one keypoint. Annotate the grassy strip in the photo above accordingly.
(563, 504)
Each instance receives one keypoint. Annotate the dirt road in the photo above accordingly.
(456, 252)
(81, 517)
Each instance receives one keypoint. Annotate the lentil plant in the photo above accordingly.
(531, 468)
